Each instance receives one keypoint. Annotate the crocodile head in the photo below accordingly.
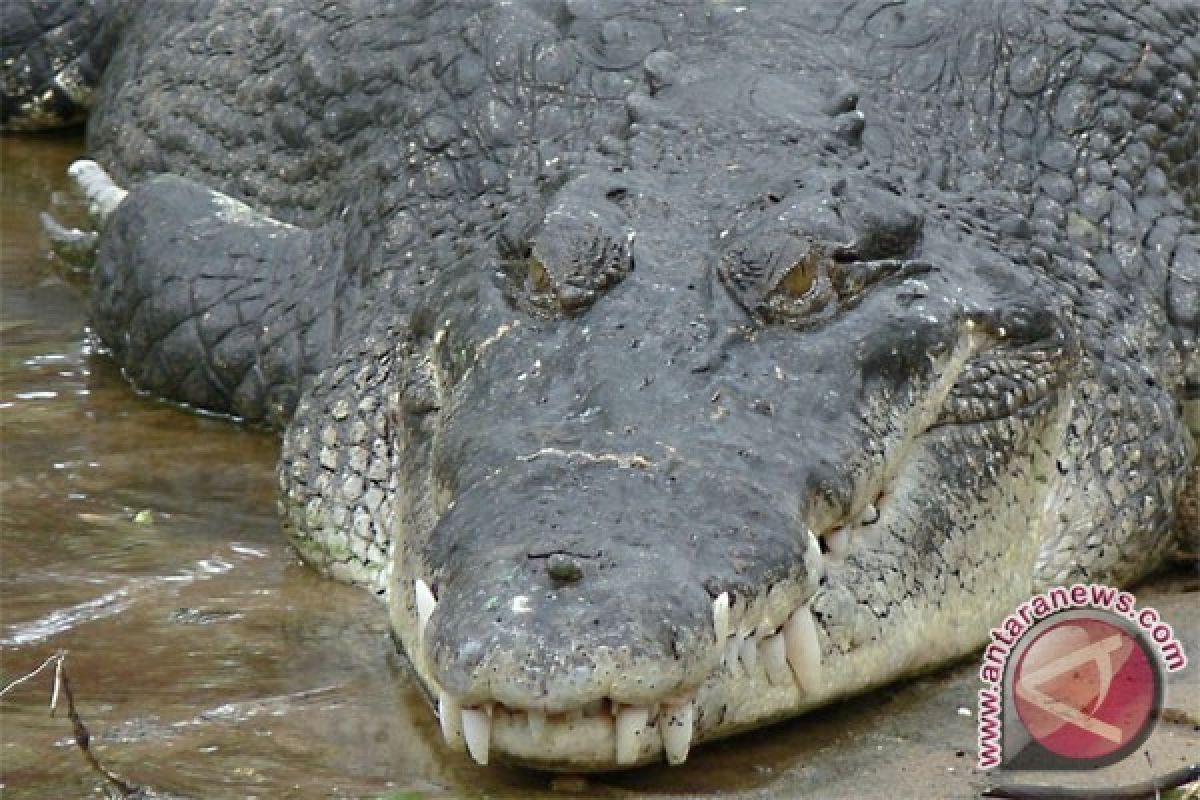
(665, 477)
(759, 416)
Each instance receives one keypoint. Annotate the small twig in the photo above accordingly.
(83, 738)
(55, 659)
(58, 676)
(62, 687)
(1145, 790)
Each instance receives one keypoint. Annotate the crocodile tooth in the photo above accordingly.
(748, 653)
(813, 557)
(838, 541)
(450, 717)
(721, 616)
(803, 650)
(477, 730)
(729, 656)
(773, 653)
(426, 603)
(675, 724)
(631, 724)
(537, 725)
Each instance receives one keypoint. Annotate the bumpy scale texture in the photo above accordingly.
(675, 365)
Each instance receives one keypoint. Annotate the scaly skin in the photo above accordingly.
(51, 56)
(671, 369)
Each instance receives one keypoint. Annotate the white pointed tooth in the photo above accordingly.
(729, 657)
(813, 542)
(477, 730)
(675, 723)
(426, 603)
(748, 653)
(721, 617)
(814, 559)
(773, 652)
(870, 514)
(631, 727)
(450, 717)
(803, 649)
(838, 542)
(537, 725)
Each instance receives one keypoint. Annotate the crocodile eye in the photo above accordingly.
(800, 279)
(779, 276)
(537, 277)
(803, 295)
(568, 267)
(529, 284)
(819, 248)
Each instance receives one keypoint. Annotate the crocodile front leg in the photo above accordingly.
(207, 302)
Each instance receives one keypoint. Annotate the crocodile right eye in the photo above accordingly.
(818, 248)
(799, 280)
(780, 277)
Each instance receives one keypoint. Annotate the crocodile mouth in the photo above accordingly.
(782, 660)
(777, 648)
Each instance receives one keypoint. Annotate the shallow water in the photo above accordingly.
(208, 662)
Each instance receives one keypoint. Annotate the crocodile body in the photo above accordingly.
(671, 369)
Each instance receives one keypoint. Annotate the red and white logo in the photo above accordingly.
(1073, 679)
(1086, 688)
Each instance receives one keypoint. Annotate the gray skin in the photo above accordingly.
(593, 317)
(51, 56)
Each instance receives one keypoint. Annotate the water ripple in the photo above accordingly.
(114, 602)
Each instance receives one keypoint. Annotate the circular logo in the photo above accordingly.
(1086, 689)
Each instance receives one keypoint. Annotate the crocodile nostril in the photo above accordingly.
(563, 569)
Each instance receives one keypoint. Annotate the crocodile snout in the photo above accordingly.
(586, 583)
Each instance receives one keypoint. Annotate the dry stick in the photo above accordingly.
(82, 737)
(1146, 790)
(55, 659)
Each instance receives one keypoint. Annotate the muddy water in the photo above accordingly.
(207, 662)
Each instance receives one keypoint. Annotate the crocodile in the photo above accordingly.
(669, 369)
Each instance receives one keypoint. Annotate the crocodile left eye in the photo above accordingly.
(780, 277)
